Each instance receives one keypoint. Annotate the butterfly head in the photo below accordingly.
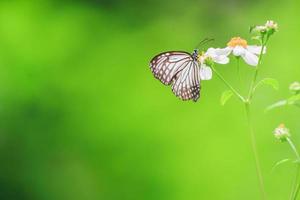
(195, 54)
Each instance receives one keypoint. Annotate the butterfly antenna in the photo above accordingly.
(204, 41)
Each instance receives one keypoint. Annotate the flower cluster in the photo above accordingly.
(295, 87)
(239, 48)
(282, 133)
(207, 59)
(269, 28)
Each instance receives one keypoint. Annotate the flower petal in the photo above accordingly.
(238, 51)
(256, 49)
(221, 59)
(219, 55)
(205, 72)
(218, 51)
(250, 58)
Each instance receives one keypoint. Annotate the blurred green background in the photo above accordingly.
(82, 117)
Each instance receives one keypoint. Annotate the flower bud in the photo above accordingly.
(258, 37)
(209, 61)
(268, 29)
(271, 25)
(205, 59)
(259, 29)
(295, 87)
(282, 133)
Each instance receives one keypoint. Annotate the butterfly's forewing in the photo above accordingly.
(179, 69)
(166, 65)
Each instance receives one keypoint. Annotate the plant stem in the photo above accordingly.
(228, 85)
(293, 147)
(295, 187)
(254, 149)
(238, 70)
(250, 94)
(248, 114)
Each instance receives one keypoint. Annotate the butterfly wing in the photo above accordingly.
(186, 85)
(166, 65)
(179, 69)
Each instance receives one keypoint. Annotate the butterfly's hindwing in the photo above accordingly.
(179, 69)
(187, 84)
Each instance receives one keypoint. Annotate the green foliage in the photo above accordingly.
(280, 163)
(268, 81)
(226, 95)
(293, 100)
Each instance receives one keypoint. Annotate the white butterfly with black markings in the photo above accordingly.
(179, 69)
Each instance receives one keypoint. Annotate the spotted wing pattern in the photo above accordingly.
(166, 65)
(179, 69)
(186, 85)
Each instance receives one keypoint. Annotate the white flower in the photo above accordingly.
(206, 59)
(240, 48)
(271, 25)
(205, 72)
(261, 29)
(295, 87)
(282, 133)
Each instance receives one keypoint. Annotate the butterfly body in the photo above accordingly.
(179, 69)
(195, 54)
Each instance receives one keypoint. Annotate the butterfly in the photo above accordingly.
(181, 70)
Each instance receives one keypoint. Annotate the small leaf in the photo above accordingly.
(276, 105)
(268, 81)
(258, 37)
(251, 29)
(293, 99)
(296, 191)
(226, 95)
(280, 162)
(297, 161)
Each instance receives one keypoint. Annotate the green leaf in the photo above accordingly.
(276, 105)
(280, 162)
(226, 95)
(268, 81)
(293, 99)
(297, 161)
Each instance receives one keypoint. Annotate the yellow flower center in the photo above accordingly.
(237, 41)
(200, 56)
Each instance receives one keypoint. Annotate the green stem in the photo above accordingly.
(255, 152)
(293, 147)
(228, 85)
(238, 70)
(253, 140)
(248, 115)
(251, 89)
(247, 108)
(295, 187)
